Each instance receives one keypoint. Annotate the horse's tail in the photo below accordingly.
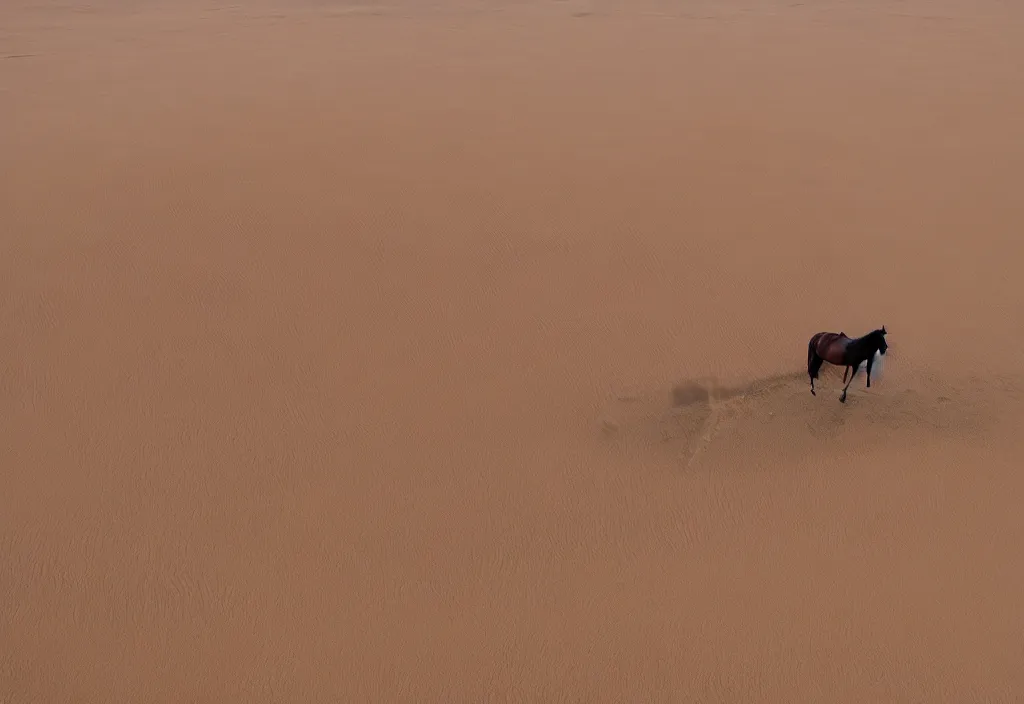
(812, 358)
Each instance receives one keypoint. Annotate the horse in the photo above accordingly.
(840, 350)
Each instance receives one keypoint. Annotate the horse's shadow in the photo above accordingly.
(687, 423)
(708, 391)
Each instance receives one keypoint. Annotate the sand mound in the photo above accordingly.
(776, 420)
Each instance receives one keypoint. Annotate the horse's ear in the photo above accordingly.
(883, 330)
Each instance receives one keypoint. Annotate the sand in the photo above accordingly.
(455, 351)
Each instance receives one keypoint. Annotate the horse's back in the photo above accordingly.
(830, 344)
(827, 338)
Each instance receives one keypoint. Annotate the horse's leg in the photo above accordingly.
(856, 368)
(846, 370)
(871, 361)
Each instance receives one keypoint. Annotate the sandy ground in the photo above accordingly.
(454, 351)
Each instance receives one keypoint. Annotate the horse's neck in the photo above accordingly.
(865, 345)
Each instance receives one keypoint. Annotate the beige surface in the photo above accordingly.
(338, 341)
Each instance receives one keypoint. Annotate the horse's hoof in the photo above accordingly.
(842, 399)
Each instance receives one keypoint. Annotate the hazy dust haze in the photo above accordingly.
(455, 351)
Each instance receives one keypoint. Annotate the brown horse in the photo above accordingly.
(840, 350)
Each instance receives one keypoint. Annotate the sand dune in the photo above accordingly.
(454, 351)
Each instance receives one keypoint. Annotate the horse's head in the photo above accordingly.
(882, 344)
